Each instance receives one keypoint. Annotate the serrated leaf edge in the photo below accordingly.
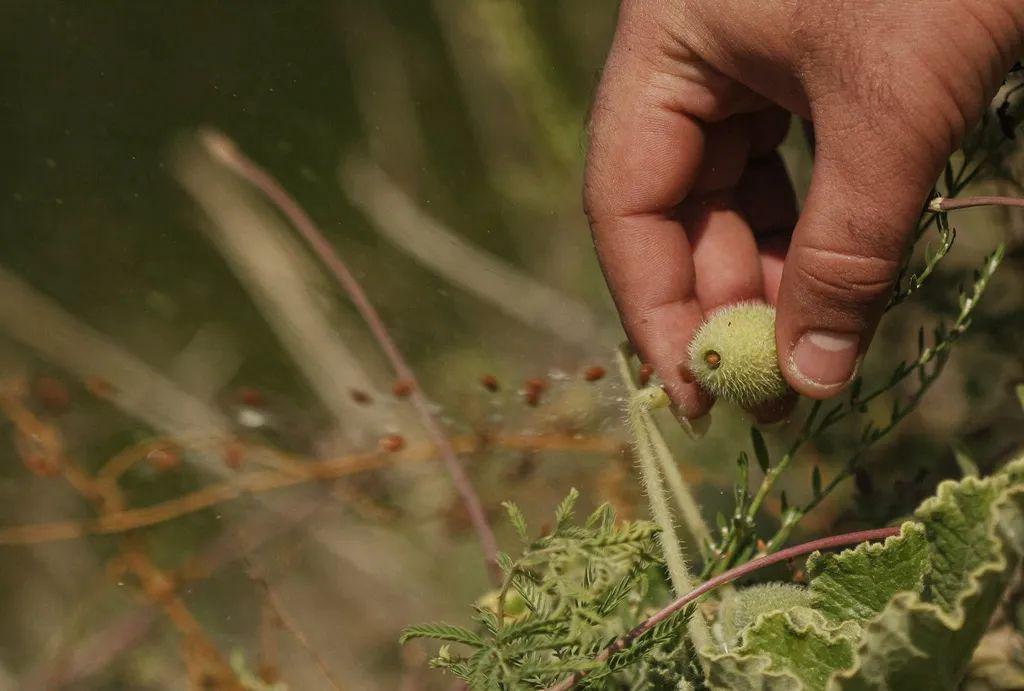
(911, 602)
(866, 548)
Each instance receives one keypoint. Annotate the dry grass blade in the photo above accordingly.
(288, 288)
(412, 230)
(224, 150)
(128, 383)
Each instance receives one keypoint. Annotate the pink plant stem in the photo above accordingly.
(951, 204)
(225, 151)
(831, 542)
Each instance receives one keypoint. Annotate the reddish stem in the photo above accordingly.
(784, 555)
(225, 151)
(950, 204)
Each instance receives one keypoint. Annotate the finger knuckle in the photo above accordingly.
(846, 279)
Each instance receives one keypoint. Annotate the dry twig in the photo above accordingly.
(259, 481)
(273, 601)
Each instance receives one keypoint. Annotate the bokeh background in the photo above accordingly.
(156, 311)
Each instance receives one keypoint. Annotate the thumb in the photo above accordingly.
(867, 190)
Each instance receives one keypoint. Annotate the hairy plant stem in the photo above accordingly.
(689, 511)
(640, 405)
(654, 488)
(831, 542)
(642, 426)
(227, 153)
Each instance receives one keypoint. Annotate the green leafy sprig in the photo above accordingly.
(739, 535)
(568, 594)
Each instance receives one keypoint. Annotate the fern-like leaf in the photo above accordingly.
(442, 632)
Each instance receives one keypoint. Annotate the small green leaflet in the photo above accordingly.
(442, 632)
(760, 449)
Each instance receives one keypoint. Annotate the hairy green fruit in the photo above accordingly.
(749, 603)
(515, 605)
(733, 355)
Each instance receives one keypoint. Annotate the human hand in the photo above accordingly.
(689, 204)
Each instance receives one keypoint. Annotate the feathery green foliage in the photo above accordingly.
(905, 613)
(574, 590)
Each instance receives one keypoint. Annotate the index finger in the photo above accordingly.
(645, 154)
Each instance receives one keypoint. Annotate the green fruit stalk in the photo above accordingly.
(733, 355)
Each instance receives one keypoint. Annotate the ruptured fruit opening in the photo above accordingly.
(713, 359)
(733, 355)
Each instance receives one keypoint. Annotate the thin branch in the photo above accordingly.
(943, 204)
(831, 542)
(203, 658)
(126, 632)
(276, 605)
(40, 323)
(225, 150)
(256, 482)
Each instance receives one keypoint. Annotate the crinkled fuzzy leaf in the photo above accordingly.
(909, 611)
(960, 523)
(926, 640)
(912, 645)
(802, 646)
(740, 610)
(748, 673)
(858, 583)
